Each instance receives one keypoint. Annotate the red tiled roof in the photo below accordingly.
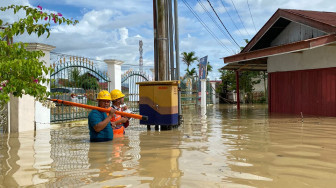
(259, 47)
(328, 18)
(324, 21)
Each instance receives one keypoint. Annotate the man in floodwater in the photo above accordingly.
(99, 122)
(119, 122)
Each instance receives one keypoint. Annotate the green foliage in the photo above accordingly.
(74, 77)
(191, 72)
(247, 79)
(89, 83)
(228, 79)
(85, 81)
(189, 58)
(21, 71)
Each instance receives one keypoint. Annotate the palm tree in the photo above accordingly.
(188, 58)
(209, 68)
(191, 73)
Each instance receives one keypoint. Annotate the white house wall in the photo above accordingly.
(295, 32)
(321, 57)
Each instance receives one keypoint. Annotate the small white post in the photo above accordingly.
(203, 92)
(213, 88)
(42, 114)
(114, 73)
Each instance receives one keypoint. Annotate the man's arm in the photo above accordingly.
(101, 125)
(122, 120)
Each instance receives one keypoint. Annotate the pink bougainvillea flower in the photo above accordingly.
(59, 14)
(36, 80)
(41, 12)
(38, 6)
(0, 88)
(4, 84)
(46, 18)
(54, 19)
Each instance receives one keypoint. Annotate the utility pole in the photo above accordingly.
(171, 40)
(160, 40)
(177, 53)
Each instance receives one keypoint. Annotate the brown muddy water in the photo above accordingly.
(218, 149)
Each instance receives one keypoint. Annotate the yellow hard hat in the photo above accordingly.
(116, 94)
(104, 95)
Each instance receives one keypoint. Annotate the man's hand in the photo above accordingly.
(112, 112)
(124, 108)
(113, 125)
(123, 120)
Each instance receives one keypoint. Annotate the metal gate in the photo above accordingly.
(131, 89)
(75, 79)
(191, 88)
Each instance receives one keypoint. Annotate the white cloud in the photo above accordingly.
(112, 29)
(123, 32)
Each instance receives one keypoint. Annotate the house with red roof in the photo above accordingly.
(298, 50)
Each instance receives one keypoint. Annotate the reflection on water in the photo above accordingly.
(213, 148)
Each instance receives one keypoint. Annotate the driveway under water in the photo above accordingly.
(218, 149)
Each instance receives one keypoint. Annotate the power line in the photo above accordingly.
(231, 18)
(248, 5)
(205, 26)
(222, 23)
(240, 18)
(213, 20)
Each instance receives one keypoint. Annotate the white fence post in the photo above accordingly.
(203, 92)
(42, 114)
(24, 112)
(114, 73)
(213, 88)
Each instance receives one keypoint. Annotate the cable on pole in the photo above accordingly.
(206, 27)
(222, 23)
(248, 5)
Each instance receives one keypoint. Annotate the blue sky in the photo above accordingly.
(110, 29)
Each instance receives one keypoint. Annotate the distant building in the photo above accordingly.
(298, 50)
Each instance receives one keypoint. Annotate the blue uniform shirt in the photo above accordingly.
(106, 134)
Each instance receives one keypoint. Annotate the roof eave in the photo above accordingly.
(283, 49)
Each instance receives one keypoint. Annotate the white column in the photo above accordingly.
(114, 73)
(203, 93)
(213, 88)
(22, 114)
(42, 114)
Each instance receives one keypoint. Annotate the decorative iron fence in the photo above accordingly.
(190, 91)
(3, 117)
(131, 89)
(77, 80)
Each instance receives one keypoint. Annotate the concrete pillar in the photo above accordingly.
(114, 73)
(203, 93)
(213, 88)
(42, 114)
(22, 114)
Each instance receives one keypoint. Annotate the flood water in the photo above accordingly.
(218, 149)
